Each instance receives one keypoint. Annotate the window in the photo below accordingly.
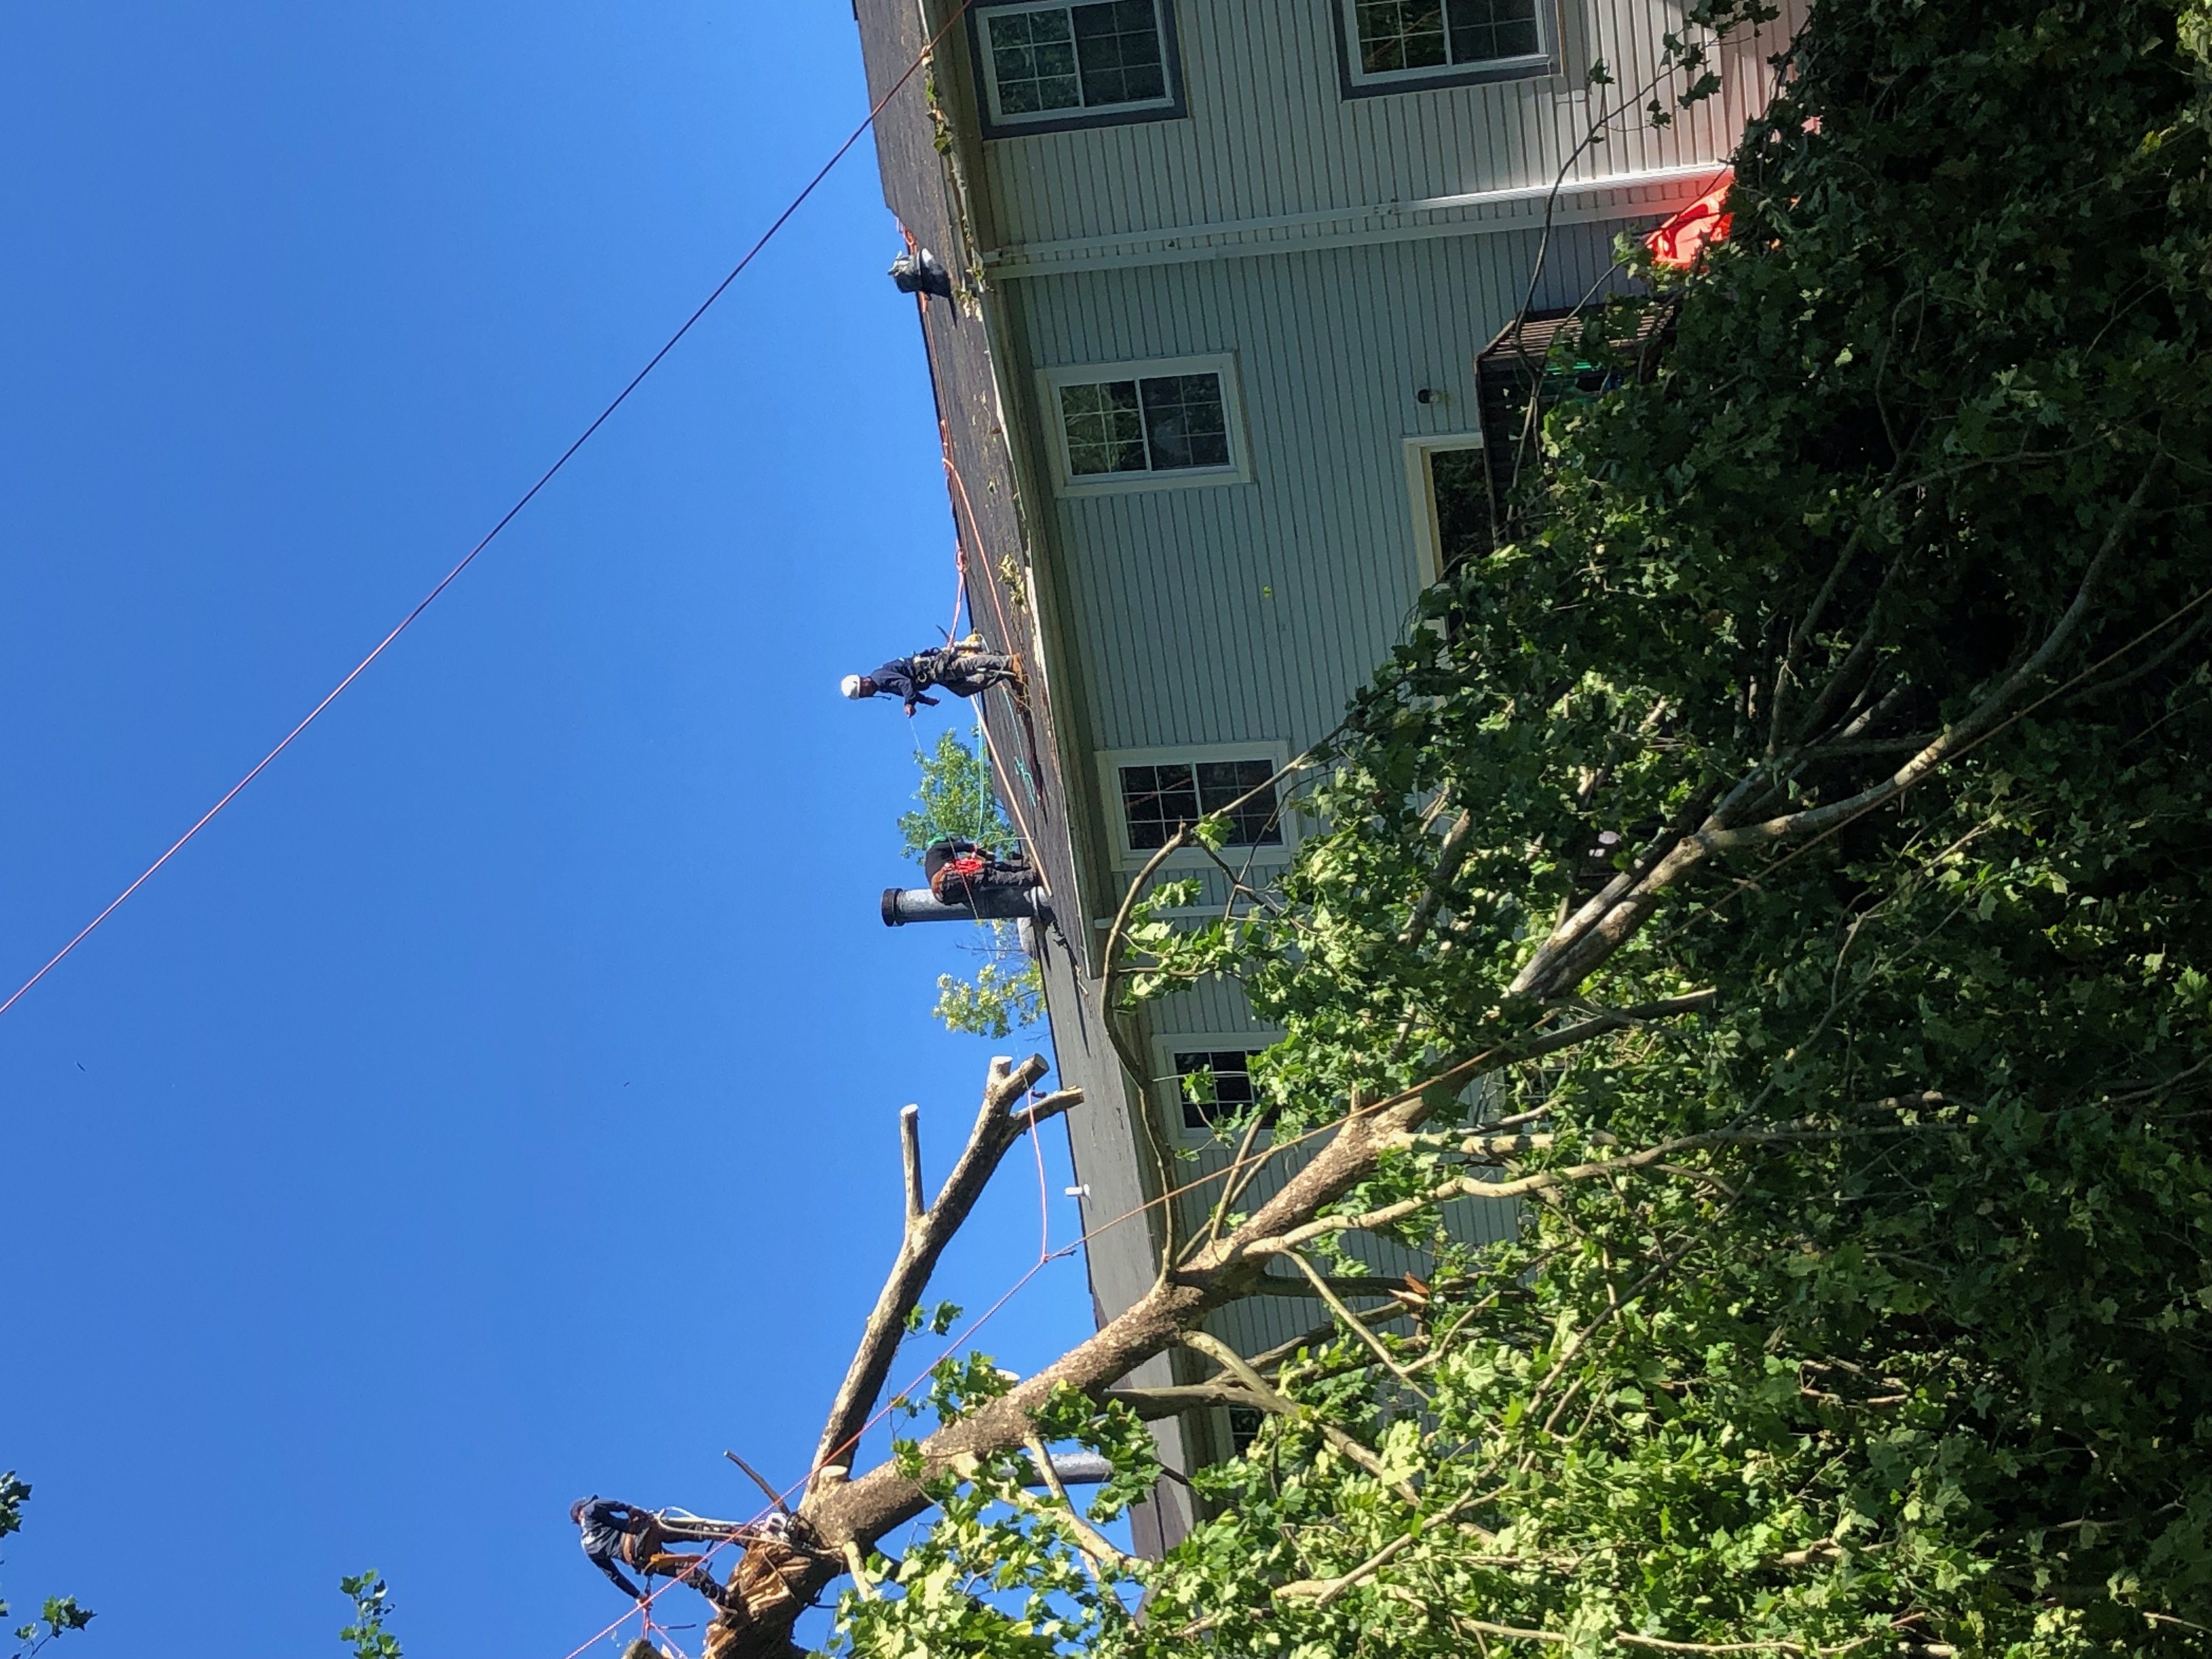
(1390, 44)
(1213, 1084)
(1150, 793)
(1159, 800)
(1162, 423)
(1048, 63)
(1449, 481)
(1144, 425)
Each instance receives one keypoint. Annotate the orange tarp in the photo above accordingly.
(1685, 236)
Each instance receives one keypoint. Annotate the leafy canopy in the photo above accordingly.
(1800, 826)
(955, 801)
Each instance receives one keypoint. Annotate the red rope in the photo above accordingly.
(1006, 633)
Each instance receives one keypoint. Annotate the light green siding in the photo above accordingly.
(1223, 613)
(1270, 135)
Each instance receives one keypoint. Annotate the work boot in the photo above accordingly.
(700, 1579)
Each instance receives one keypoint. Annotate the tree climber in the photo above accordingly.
(963, 668)
(961, 871)
(617, 1532)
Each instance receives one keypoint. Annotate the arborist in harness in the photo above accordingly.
(964, 668)
(959, 872)
(617, 1532)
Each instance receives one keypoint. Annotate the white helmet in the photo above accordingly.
(850, 685)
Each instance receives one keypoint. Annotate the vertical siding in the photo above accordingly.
(1270, 132)
(1237, 612)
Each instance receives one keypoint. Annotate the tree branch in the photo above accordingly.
(1579, 946)
(1091, 1541)
(928, 1232)
(910, 1150)
(1326, 1590)
(1457, 839)
(1352, 1321)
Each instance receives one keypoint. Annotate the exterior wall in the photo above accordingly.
(1226, 612)
(1270, 134)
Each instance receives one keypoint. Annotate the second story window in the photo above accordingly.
(1141, 426)
(1148, 794)
(1161, 424)
(1398, 45)
(1047, 62)
(1157, 801)
(1214, 1084)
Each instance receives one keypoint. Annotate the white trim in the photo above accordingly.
(1067, 482)
(1076, 111)
(1167, 1087)
(1580, 200)
(1531, 64)
(1126, 857)
(1420, 485)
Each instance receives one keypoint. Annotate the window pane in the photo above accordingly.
(1255, 824)
(1105, 433)
(1118, 47)
(1033, 59)
(1461, 490)
(1483, 31)
(1184, 421)
(1400, 34)
(1156, 801)
(1220, 1080)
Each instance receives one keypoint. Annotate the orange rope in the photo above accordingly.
(1006, 633)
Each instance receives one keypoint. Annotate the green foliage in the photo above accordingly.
(372, 1605)
(1867, 1309)
(936, 1320)
(954, 798)
(1006, 994)
(59, 1612)
(1002, 1571)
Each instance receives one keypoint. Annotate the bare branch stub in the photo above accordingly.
(928, 1230)
(910, 1160)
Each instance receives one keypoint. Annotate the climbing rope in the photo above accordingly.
(1005, 634)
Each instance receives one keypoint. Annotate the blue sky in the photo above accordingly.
(498, 1103)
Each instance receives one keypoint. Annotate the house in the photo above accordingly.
(1220, 273)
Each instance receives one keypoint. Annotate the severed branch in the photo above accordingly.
(1268, 1399)
(1476, 1187)
(1351, 1321)
(928, 1231)
(1326, 1590)
(1092, 1542)
(910, 1151)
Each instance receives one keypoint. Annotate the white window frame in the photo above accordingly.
(1359, 81)
(1168, 102)
(1421, 486)
(1126, 857)
(1168, 1086)
(1068, 481)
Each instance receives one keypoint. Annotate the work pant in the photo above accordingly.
(949, 886)
(968, 674)
(646, 1551)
